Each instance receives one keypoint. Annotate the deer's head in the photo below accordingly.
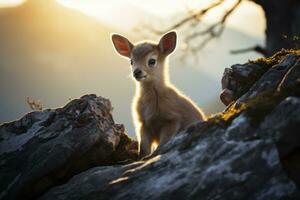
(147, 58)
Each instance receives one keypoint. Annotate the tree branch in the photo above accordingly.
(257, 48)
(209, 33)
(195, 16)
(215, 30)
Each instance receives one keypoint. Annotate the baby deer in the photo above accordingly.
(159, 109)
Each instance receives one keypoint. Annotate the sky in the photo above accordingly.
(122, 13)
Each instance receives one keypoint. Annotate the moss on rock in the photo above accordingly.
(275, 59)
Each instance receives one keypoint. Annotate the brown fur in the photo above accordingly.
(159, 109)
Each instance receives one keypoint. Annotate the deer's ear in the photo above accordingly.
(122, 45)
(167, 43)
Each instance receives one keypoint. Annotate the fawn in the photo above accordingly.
(159, 109)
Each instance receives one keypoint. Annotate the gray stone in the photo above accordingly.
(46, 148)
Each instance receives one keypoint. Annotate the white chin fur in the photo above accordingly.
(141, 79)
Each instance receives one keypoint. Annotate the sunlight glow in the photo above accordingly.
(154, 146)
(5, 3)
(88, 7)
(119, 180)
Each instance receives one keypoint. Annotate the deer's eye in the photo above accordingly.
(151, 62)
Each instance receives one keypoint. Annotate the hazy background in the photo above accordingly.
(55, 50)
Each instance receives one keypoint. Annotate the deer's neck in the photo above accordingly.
(151, 92)
(157, 86)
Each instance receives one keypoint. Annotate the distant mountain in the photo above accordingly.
(51, 53)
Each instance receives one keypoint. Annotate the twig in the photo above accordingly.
(257, 48)
(195, 16)
(215, 30)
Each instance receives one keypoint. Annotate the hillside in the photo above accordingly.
(53, 53)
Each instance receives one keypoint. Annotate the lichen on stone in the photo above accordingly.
(275, 59)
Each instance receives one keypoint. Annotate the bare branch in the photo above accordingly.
(209, 33)
(195, 16)
(257, 48)
(216, 29)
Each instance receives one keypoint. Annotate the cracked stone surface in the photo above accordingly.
(46, 148)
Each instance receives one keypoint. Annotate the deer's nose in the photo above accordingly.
(137, 73)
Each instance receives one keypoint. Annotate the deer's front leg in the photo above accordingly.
(145, 143)
(168, 130)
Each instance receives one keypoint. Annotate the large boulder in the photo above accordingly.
(250, 151)
(44, 149)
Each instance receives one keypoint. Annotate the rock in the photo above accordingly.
(285, 130)
(238, 79)
(46, 148)
(87, 182)
(250, 151)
